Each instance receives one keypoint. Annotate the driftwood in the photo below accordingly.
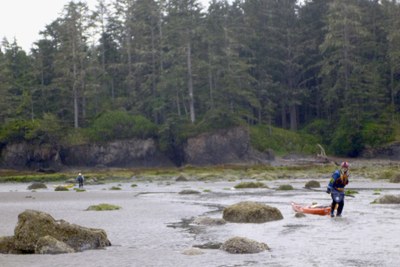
(323, 157)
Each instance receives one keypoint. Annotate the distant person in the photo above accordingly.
(340, 178)
(80, 180)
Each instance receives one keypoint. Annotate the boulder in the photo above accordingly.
(242, 245)
(49, 245)
(33, 225)
(251, 212)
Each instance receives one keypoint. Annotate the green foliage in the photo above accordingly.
(347, 139)
(282, 141)
(18, 131)
(46, 130)
(217, 119)
(114, 125)
(320, 129)
(375, 134)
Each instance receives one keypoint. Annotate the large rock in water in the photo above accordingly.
(33, 225)
(251, 212)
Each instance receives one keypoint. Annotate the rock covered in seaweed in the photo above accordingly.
(39, 232)
(251, 212)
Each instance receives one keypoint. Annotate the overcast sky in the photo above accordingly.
(23, 19)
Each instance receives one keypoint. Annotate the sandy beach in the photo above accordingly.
(153, 226)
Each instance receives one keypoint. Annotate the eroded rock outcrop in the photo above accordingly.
(132, 153)
(39, 232)
(224, 146)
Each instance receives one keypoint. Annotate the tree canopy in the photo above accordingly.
(297, 65)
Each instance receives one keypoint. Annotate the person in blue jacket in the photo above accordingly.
(80, 180)
(340, 178)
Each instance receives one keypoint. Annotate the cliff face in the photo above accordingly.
(224, 146)
(125, 153)
(221, 147)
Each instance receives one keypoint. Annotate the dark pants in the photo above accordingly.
(337, 198)
(80, 181)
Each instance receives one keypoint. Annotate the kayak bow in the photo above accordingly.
(312, 209)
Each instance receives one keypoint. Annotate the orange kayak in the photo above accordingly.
(312, 209)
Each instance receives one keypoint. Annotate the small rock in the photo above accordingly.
(299, 215)
(209, 221)
(189, 192)
(242, 245)
(192, 252)
(387, 199)
(312, 184)
(37, 185)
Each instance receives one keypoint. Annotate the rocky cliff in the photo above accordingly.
(221, 147)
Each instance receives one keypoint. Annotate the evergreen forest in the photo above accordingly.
(328, 70)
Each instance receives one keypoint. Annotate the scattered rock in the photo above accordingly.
(209, 245)
(242, 245)
(189, 192)
(209, 221)
(181, 178)
(50, 245)
(192, 252)
(61, 188)
(312, 184)
(37, 185)
(299, 215)
(250, 185)
(285, 187)
(387, 199)
(103, 206)
(251, 212)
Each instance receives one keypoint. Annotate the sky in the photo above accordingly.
(24, 19)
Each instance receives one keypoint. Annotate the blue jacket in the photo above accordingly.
(338, 182)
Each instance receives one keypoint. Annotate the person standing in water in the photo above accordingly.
(340, 178)
(80, 180)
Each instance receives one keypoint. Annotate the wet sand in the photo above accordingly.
(151, 228)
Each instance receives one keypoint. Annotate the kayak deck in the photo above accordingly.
(311, 209)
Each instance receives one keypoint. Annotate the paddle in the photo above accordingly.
(346, 194)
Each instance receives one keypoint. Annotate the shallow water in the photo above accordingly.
(153, 227)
